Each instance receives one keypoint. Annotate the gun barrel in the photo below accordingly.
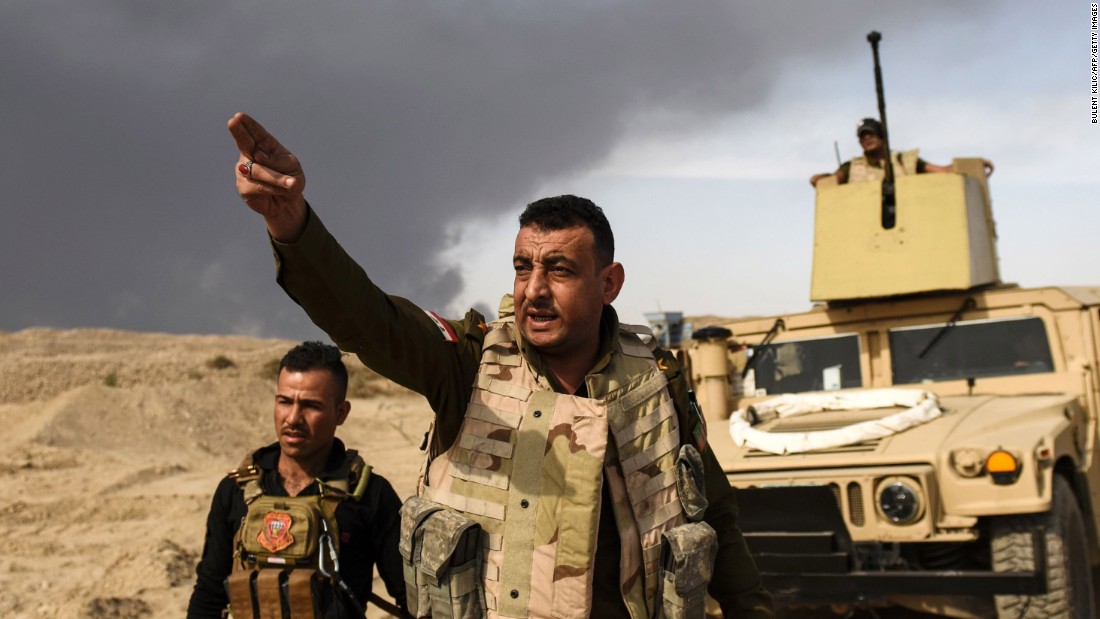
(888, 204)
(874, 37)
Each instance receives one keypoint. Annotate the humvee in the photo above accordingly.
(925, 435)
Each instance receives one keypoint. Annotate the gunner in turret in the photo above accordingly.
(870, 167)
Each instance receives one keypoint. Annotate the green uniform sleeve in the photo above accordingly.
(736, 583)
(389, 334)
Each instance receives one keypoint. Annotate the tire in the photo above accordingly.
(1069, 576)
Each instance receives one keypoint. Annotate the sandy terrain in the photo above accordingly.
(112, 445)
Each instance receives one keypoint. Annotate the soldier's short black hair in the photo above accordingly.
(313, 355)
(561, 212)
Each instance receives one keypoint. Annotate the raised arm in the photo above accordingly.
(389, 334)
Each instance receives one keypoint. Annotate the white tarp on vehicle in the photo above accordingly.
(921, 407)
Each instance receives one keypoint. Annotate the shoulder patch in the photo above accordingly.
(445, 328)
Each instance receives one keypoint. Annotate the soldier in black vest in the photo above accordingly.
(298, 527)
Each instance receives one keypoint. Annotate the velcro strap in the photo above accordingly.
(252, 491)
(634, 348)
(631, 399)
(651, 579)
(478, 507)
(300, 592)
(651, 420)
(509, 419)
(668, 511)
(492, 356)
(491, 572)
(497, 336)
(490, 601)
(476, 475)
(268, 597)
(651, 553)
(489, 446)
(636, 329)
(492, 541)
(656, 484)
(501, 387)
(651, 453)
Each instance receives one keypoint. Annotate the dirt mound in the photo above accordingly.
(172, 421)
(39, 364)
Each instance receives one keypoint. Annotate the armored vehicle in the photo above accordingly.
(925, 435)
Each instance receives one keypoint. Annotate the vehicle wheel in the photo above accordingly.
(1069, 576)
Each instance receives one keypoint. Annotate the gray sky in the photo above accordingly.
(424, 127)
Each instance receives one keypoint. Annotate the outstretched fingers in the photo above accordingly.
(244, 131)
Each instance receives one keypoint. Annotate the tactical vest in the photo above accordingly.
(506, 520)
(286, 551)
(861, 170)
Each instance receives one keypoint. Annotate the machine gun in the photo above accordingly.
(889, 201)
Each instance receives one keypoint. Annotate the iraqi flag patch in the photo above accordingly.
(445, 328)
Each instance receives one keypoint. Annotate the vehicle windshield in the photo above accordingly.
(820, 364)
(970, 349)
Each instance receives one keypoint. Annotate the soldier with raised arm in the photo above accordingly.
(568, 473)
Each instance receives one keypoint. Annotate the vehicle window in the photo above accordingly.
(820, 364)
(970, 349)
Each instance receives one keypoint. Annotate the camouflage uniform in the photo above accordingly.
(861, 170)
(441, 360)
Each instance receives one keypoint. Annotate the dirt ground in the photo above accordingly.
(113, 443)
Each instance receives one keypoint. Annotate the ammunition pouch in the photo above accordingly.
(691, 483)
(441, 555)
(278, 593)
(686, 565)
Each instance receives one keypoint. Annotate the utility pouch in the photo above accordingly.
(282, 530)
(691, 483)
(687, 563)
(413, 513)
(443, 556)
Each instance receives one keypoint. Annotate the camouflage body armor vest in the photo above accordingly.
(285, 560)
(516, 499)
(861, 170)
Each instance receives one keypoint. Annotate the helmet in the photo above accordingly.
(869, 124)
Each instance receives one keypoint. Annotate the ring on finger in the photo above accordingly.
(245, 169)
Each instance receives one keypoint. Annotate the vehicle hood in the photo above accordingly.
(967, 421)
